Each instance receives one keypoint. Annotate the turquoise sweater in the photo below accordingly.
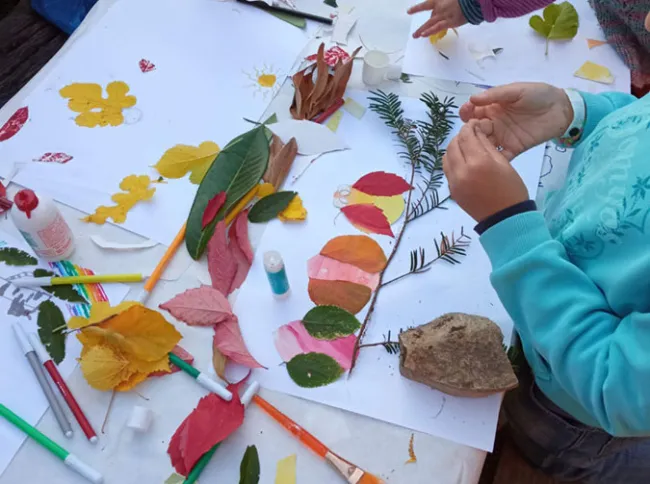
(576, 278)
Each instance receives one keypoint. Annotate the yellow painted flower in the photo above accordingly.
(96, 110)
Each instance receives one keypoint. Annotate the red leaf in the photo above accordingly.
(229, 341)
(3, 191)
(368, 217)
(382, 184)
(54, 158)
(212, 209)
(221, 262)
(201, 306)
(332, 56)
(240, 248)
(14, 123)
(211, 422)
(182, 354)
(146, 66)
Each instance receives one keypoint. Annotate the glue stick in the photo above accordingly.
(274, 266)
(40, 222)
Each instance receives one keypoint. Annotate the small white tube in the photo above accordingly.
(211, 385)
(74, 463)
(32, 281)
(41, 352)
(21, 336)
(250, 392)
(140, 420)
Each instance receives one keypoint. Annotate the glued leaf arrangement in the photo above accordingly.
(63, 292)
(135, 189)
(16, 257)
(314, 370)
(51, 326)
(330, 322)
(96, 110)
(270, 206)
(180, 160)
(281, 158)
(560, 22)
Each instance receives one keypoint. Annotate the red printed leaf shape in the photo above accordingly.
(146, 66)
(14, 123)
(240, 248)
(211, 422)
(221, 262)
(368, 217)
(332, 56)
(201, 306)
(229, 341)
(182, 354)
(54, 158)
(382, 184)
(212, 209)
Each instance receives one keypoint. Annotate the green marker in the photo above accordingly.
(204, 380)
(68, 459)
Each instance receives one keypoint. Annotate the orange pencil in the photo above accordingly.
(352, 473)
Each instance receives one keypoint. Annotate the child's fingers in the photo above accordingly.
(489, 146)
(497, 95)
(470, 146)
(421, 7)
(439, 26)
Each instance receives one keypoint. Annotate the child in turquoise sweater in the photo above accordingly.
(575, 278)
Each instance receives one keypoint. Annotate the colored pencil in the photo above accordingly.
(290, 11)
(60, 383)
(201, 378)
(92, 279)
(68, 459)
(30, 354)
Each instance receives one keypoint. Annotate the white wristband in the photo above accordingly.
(574, 131)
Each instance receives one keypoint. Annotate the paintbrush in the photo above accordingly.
(352, 473)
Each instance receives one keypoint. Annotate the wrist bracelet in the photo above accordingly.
(573, 133)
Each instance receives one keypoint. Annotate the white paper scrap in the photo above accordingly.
(312, 138)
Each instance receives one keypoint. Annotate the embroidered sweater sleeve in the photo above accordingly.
(597, 106)
(493, 9)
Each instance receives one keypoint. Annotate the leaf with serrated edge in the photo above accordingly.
(330, 322)
(270, 206)
(222, 266)
(16, 257)
(230, 342)
(201, 306)
(314, 370)
(51, 325)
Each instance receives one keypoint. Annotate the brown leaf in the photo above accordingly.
(317, 96)
(280, 161)
(343, 294)
(359, 250)
(219, 362)
(342, 74)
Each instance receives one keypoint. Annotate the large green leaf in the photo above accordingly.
(330, 322)
(270, 206)
(16, 257)
(67, 293)
(249, 469)
(313, 370)
(560, 22)
(294, 20)
(236, 170)
(51, 327)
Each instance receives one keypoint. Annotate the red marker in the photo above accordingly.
(322, 117)
(51, 368)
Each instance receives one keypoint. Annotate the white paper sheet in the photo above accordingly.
(376, 388)
(522, 58)
(19, 390)
(204, 84)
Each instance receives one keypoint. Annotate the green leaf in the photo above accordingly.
(66, 292)
(271, 119)
(175, 479)
(313, 370)
(16, 257)
(330, 322)
(51, 325)
(249, 469)
(294, 20)
(331, 3)
(560, 22)
(270, 206)
(236, 170)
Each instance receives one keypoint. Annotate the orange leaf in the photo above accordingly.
(359, 250)
(369, 218)
(343, 294)
(219, 362)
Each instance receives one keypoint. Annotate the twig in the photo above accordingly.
(108, 410)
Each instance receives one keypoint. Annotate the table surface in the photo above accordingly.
(128, 458)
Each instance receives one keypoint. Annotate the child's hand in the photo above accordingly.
(521, 115)
(445, 14)
(481, 180)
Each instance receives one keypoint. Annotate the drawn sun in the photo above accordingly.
(264, 80)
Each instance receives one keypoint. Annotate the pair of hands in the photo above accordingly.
(514, 117)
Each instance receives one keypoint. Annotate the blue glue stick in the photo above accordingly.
(274, 267)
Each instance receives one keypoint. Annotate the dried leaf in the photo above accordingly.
(281, 159)
(320, 267)
(94, 109)
(136, 189)
(359, 250)
(560, 22)
(240, 248)
(380, 183)
(412, 457)
(317, 95)
(270, 206)
(51, 324)
(230, 342)
(62, 158)
(249, 469)
(219, 362)
(221, 262)
(294, 212)
(104, 367)
(369, 218)
(286, 470)
(16, 257)
(64, 292)
(313, 370)
(146, 66)
(141, 371)
(14, 123)
(202, 306)
(180, 160)
(330, 322)
(342, 73)
(212, 209)
(99, 312)
(346, 295)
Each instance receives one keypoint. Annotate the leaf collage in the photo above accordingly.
(135, 188)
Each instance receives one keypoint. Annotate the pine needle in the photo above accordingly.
(412, 457)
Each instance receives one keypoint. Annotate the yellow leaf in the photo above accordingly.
(104, 368)
(595, 72)
(179, 160)
(130, 382)
(286, 470)
(99, 311)
(265, 189)
(136, 189)
(393, 207)
(294, 211)
(219, 362)
(141, 370)
(95, 110)
(440, 35)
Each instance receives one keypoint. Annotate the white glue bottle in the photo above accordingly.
(41, 224)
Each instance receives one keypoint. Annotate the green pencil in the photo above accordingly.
(204, 380)
(68, 459)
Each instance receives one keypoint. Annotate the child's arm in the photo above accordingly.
(597, 106)
(493, 9)
(599, 358)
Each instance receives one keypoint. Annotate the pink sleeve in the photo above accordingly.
(493, 9)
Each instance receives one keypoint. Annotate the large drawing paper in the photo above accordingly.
(375, 388)
(522, 58)
(206, 80)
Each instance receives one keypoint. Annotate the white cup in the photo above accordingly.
(377, 68)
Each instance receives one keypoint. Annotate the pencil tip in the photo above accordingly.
(69, 434)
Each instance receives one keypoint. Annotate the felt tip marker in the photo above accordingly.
(201, 378)
(60, 383)
(69, 280)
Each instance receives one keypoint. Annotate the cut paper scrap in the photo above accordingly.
(180, 160)
(595, 72)
(346, 295)
(54, 158)
(135, 189)
(359, 250)
(334, 121)
(96, 110)
(354, 108)
(230, 343)
(332, 56)
(146, 66)
(106, 244)
(481, 51)
(14, 123)
(286, 470)
(592, 43)
(343, 26)
(326, 269)
(312, 138)
(201, 306)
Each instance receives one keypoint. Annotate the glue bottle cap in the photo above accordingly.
(26, 201)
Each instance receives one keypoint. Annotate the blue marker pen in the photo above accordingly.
(274, 266)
